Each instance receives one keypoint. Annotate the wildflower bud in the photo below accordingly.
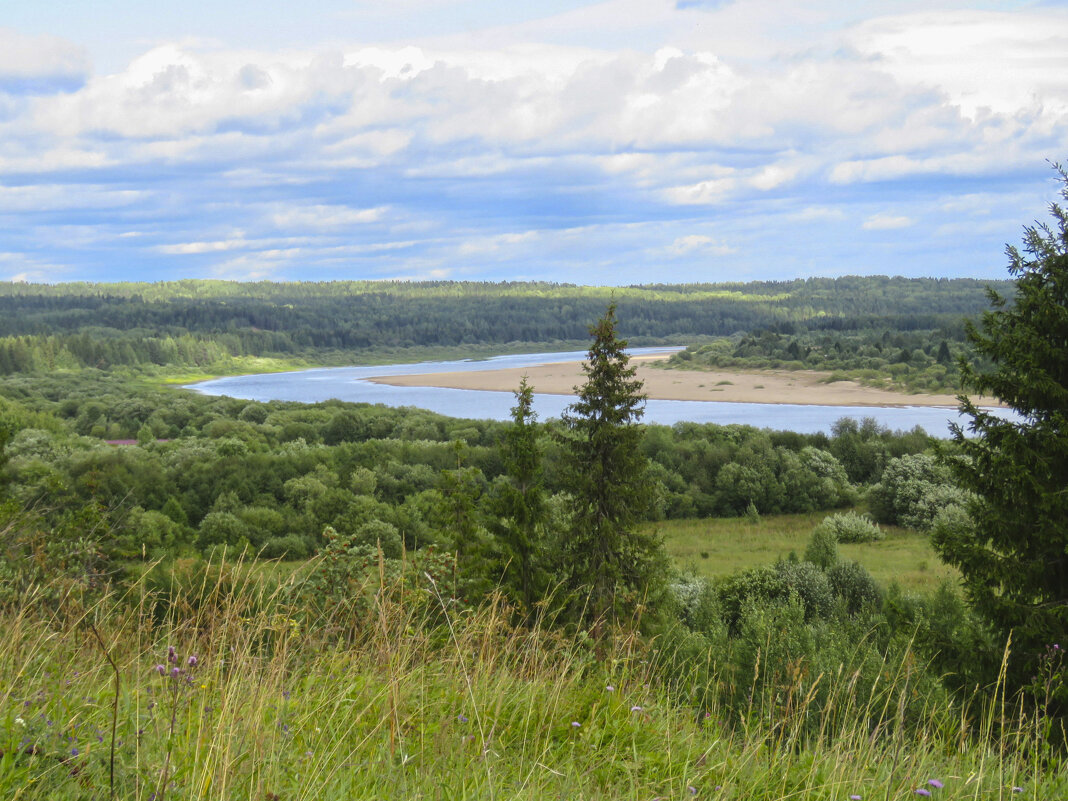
(176, 672)
(172, 655)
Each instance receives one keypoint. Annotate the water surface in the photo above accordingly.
(351, 384)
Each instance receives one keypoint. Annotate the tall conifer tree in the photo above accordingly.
(612, 565)
(1014, 555)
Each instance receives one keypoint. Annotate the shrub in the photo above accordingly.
(698, 605)
(810, 584)
(854, 585)
(822, 548)
(913, 490)
(849, 527)
(291, 546)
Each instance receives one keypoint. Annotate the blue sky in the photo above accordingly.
(619, 142)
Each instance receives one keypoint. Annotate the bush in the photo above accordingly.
(291, 546)
(698, 604)
(913, 490)
(822, 548)
(854, 585)
(810, 584)
(849, 527)
(774, 586)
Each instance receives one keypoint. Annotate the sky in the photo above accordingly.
(613, 143)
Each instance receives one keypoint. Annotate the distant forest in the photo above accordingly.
(204, 324)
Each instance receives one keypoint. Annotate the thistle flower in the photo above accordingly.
(172, 655)
(176, 672)
(161, 669)
(193, 661)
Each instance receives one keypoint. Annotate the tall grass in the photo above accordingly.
(416, 699)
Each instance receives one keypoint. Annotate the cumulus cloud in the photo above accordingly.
(520, 145)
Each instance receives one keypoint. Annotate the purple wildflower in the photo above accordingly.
(176, 672)
(1017, 789)
(74, 752)
(161, 669)
(935, 783)
(172, 655)
(462, 718)
(692, 789)
(193, 660)
(575, 724)
(921, 791)
(610, 688)
(635, 709)
(854, 798)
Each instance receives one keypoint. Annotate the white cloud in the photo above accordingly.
(886, 222)
(494, 244)
(999, 61)
(45, 57)
(698, 243)
(196, 248)
(323, 216)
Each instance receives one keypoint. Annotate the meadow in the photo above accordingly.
(225, 693)
(716, 547)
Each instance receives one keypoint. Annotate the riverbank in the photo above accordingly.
(799, 387)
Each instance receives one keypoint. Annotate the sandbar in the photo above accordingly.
(804, 387)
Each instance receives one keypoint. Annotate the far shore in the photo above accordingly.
(804, 387)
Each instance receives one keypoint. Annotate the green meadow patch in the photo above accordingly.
(721, 546)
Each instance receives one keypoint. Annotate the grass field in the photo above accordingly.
(231, 701)
(719, 546)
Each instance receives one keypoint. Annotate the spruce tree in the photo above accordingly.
(612, 565)
(521, 506)
(1014, 555)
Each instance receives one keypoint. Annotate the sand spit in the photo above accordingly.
(771, 386)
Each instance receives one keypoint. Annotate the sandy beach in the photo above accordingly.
(772, 386)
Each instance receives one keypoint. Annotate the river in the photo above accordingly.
(352, 384)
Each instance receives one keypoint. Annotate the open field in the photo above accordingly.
(733, 544)
(804, 387)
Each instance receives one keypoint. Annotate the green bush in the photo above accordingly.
(291, 546)
(853, 584)
(810, 584)
(849, 527)
(913, 490)
(822, 548)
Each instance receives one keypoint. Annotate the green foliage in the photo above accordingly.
(854, 586)
(520, 508)
(850, 527)
(610, 561)
(1015, 558)
(822, 549)
(913, 490)
(223, 326)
